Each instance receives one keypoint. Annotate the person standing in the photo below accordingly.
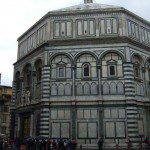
(100, 143)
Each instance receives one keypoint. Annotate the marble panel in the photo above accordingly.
(122, 113)
(53, 114)
(61, 114)
(56, 130)
(110, 129)
(120, 129)
(91, 27)
(107, 113)
(87, 114)
(80, 113)
(114, 113)
(67, 114)
(82, 130)
(69, 28)
(65, 130)
(92, 130)
(79, 24)
(57, 29)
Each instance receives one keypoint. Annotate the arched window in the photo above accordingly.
(86, 70)
(17, 78)
(38, 68)
(112, 65)
(137, 65)
(27, 77)
(61, 71)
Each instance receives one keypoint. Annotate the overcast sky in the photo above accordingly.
(18, 15)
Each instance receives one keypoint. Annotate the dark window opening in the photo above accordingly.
(112, 70)
(61, 72)
(136, 72)
(39, 74)
(28, 80)
(86, 70)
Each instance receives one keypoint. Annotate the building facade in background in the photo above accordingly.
(5, 100)
(84, 72)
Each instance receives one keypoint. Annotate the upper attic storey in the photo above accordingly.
(87, 20)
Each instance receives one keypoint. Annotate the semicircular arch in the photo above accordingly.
(111, 51)
(58, 54)
(85, 52)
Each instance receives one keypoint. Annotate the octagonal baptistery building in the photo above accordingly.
(84, 72)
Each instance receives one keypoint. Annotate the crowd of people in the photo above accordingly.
(44, 144)
(3, 144)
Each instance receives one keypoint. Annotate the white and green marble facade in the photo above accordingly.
(50, 84)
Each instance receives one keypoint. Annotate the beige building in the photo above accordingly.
(84, 72)
(5, 99)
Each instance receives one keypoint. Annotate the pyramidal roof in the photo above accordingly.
(88, 6)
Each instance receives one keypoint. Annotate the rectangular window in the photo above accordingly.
(86, 70)
(112, 70)
(61, 72)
